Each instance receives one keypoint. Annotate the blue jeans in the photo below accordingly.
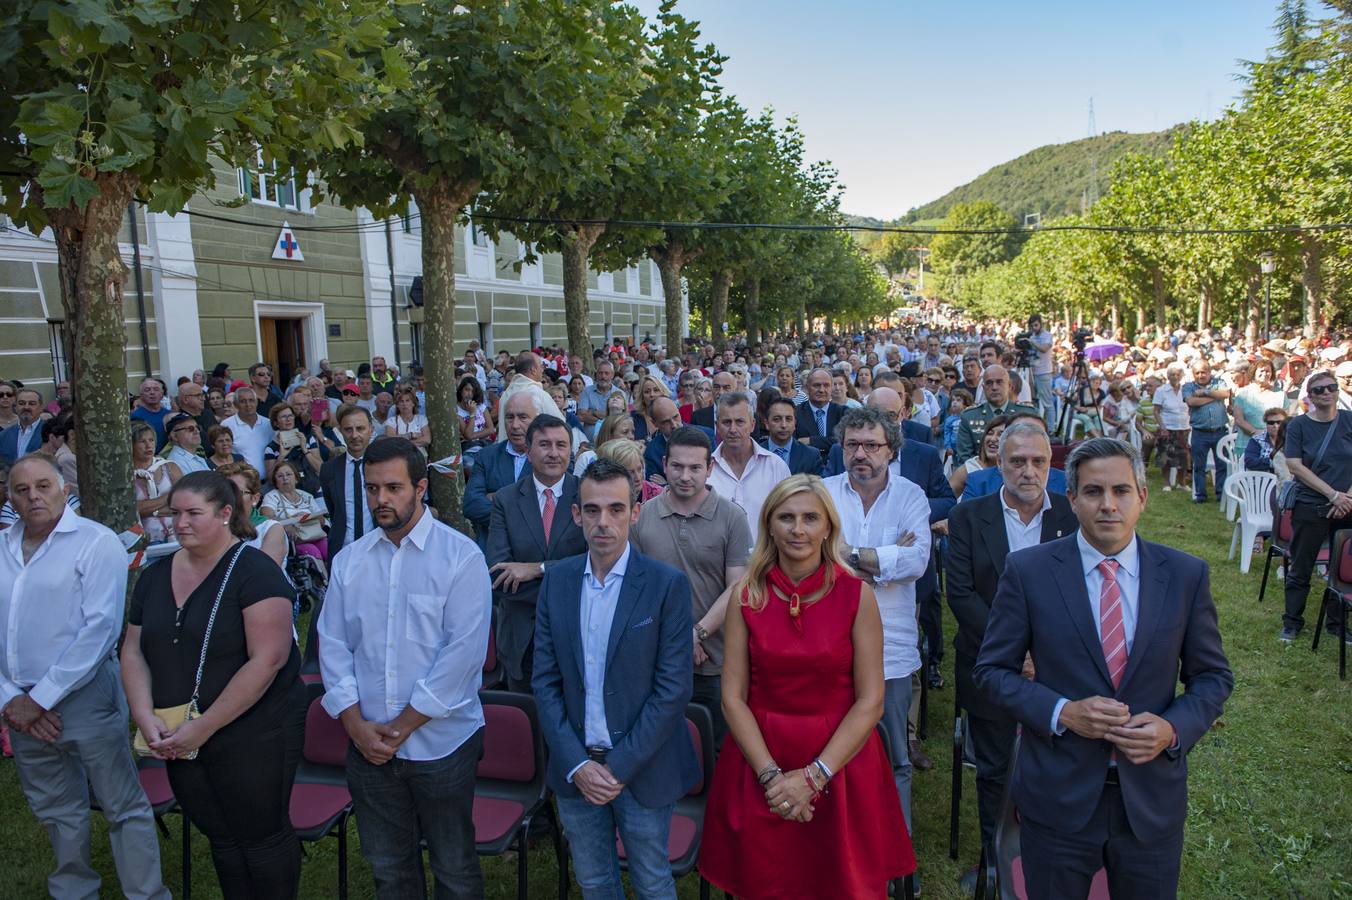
(591, 842)
(1042, 391)
(1204, 442)
(406, 800)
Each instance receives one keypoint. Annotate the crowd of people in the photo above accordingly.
(758, 529)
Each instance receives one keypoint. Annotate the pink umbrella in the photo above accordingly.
(1101, 350)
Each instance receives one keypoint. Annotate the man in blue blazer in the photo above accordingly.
(25, 435)
(667, 417)
(1113, 624)
(780, 422)
(500, 465)
(613, 675)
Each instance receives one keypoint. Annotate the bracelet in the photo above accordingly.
(821, 766)
(768, 774)
(811, 785)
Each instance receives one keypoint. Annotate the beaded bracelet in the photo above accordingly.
(768, 774)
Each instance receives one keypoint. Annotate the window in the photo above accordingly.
(478, 237)
(416, 339)
(56, 333)
(263, 185)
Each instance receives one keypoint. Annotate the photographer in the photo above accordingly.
(1042, 364)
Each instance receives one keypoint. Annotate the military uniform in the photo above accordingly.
(972, 426)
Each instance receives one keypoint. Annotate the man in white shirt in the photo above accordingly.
(63, 583)
(403, 633)
(884, 521)
(530, 372)
(743, 471)
(252, 432)
(1171, 407)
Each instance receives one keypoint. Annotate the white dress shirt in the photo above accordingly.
(1019, 535)
(251, 440)
(597, 614)
(763, 471)
(1128, 585)
(540, 490)
(368, 524)
(901, 507)
(408, 626)
(543, 402)
(518, 461)
(61, 611)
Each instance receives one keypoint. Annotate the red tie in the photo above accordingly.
(548, 515)
(1113, 632)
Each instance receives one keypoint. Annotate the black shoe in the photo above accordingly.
(1288, 634)
(967, 882)
(1198, 499)
(1333, 632)
(936, 677)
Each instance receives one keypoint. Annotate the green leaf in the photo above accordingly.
(62, 186)
(129, 128)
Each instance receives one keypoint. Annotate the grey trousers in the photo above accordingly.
(94, 750)
(896, 706)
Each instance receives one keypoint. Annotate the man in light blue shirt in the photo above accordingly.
(1206, 397)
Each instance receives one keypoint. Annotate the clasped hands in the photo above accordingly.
(25, 716)
(1140, 737)
(789, 796)
(166, 743)
(597, 783)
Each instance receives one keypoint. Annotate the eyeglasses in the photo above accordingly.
(869, 447)
(1323, 389)
(933, 380)
(185, 428)
(1271, 422)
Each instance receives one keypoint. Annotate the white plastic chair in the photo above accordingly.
(1225, 452)
(1252, 494)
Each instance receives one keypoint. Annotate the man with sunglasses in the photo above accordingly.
(972, 425)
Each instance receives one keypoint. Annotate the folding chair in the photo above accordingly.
(509, 786)
(1338, 590)
(1250, 492)
(955, 803)
(1007, 867)
(492, 674)
(320, 802)
(1279, 543)
(687, 820)
(1225, 452)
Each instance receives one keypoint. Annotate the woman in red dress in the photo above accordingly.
(807, 808)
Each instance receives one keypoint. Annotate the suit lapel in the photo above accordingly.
(530, 511)
(626, 604)
(994, 535)
(570, 613)
(563, 512)
(1055, 524)
(1070, 582)
(1151, 592)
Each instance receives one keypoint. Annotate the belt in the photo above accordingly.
(597, 754)
(1112, 777)
(1209, 430)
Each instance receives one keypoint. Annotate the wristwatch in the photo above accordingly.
(701, 632)
(853, 558)
(542, 568)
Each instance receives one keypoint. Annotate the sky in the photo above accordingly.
(910, 100)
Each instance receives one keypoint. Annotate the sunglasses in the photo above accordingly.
(1273, 422)
(1323, 389)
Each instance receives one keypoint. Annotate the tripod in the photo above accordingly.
(1079, 379)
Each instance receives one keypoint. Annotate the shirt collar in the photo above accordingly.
(619, 569)
(772, 445)
(756, 450)
(556, 489)
(513, 451)
(67, 523)
(705, 510)
(1046, 504)
(1129, 559)
(418, 535)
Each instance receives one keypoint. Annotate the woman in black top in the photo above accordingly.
(1318, 451)
(248, 737)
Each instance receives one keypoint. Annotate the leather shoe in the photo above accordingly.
(919, 759)
(967, 882)
(936, 677)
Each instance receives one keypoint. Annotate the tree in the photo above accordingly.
(896, 252)
(112, 103)
(518, 93)
(991, 239)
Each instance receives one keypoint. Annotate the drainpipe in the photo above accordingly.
(394, 305)
(140, 289)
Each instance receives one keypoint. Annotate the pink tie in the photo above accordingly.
(1113, 632)
(547, 516)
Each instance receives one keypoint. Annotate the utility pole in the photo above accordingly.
(1091, 193)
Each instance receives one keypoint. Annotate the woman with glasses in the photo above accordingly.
(8, 416)
(1262, 445)
(1318, 452)
(267, 536)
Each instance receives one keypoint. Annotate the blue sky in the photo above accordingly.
(910, 100)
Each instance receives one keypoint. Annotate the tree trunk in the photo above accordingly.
(800, 319)
(718, 303)
(92, 274)
(751, 311)
(1157, 290)
(439, 205)
(1204, 305)
(1312, 277)
(671, 257)
(1140, 321)
(577, 244)
(1253, 290)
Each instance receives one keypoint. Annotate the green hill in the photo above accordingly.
(1051, 179)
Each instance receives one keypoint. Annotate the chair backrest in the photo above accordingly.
(700, 725)
(491, 657)
(514, 748)
(1251, 489)
(1342, 573)
(325, 738)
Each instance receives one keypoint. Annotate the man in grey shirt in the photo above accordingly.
(694, 530)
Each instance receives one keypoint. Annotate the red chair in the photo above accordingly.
(492, 675)
(1008, 853)
(687, 820)
(320, 802)
(1280, 543)
(509, 787)
(1339, 590)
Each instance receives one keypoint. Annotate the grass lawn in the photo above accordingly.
(1271, 786)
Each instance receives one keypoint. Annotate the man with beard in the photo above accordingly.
(402, 636)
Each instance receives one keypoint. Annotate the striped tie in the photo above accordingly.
(1113, 632)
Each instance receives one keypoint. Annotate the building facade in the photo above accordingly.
(252, 270)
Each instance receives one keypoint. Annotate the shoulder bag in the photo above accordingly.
(174, 716)
(1287, 498)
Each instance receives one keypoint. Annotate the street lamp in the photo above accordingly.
(1267, 263)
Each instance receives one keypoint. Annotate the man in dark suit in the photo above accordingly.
(817, 415)
(1113, 623)
(667, 417)
(722, 381)
(780, 423)
(981, 534)
(532, 523)
(342, 479)
(25, 435)
(613, 675)
(500, 465)
(912, 431)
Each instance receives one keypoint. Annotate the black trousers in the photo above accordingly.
(931, 620)
(992, 746)
(1310, 531)
(238, 793)
(708, 692)
(1060, 865)
(527, 670)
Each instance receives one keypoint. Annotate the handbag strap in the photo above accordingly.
(1328, 436)
(211, 620)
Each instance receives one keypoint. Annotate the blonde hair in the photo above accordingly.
(640, 405)
(623, 451)
(751, 589)
(606, 432)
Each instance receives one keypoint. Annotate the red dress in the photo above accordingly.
(801, 686)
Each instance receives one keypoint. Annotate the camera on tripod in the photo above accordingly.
(1081, 337)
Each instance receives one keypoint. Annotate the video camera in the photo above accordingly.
(1081, 337)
